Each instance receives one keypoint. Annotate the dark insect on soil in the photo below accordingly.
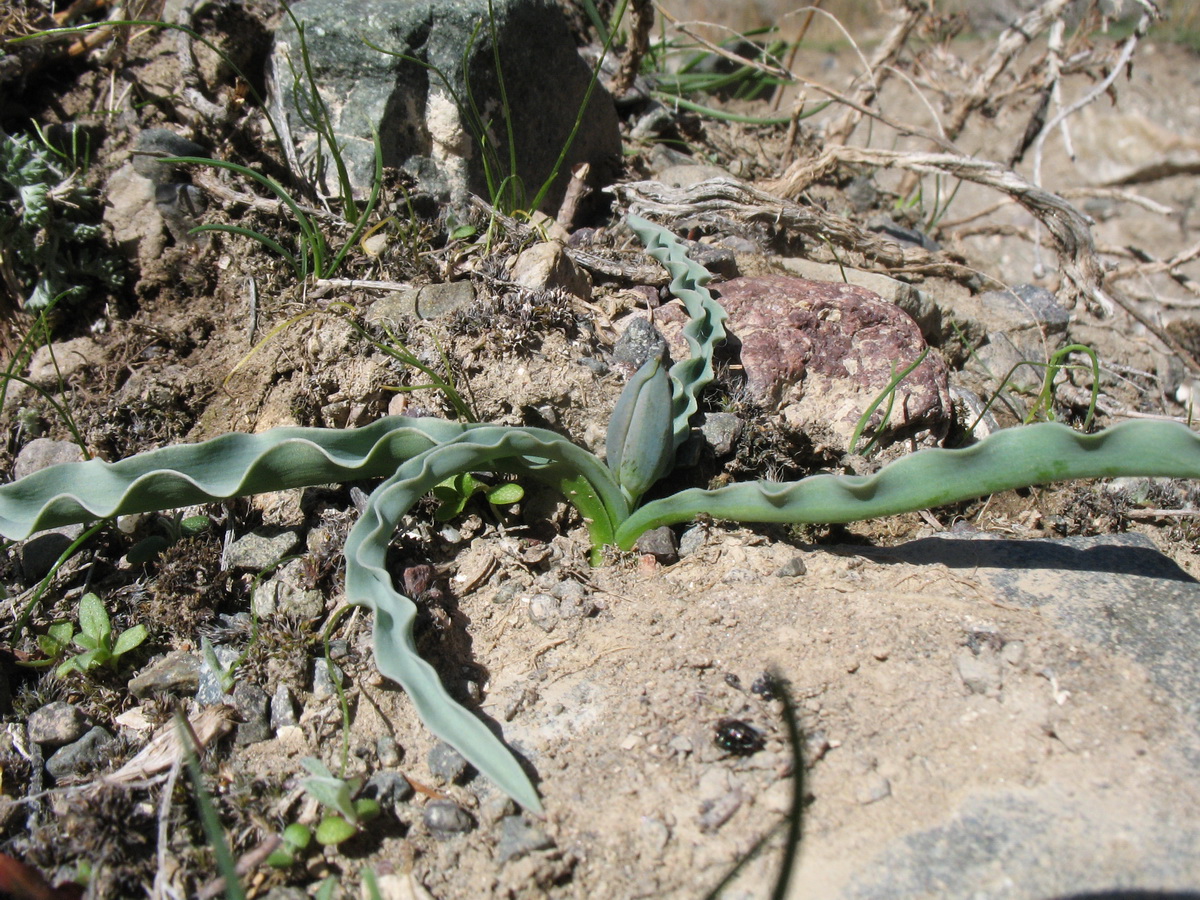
(765, 686)
(738, 737)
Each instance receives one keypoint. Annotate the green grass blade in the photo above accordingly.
(271, 244)
(1016, 457)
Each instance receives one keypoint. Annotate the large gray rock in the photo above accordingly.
(424, 122)
(1067, 834)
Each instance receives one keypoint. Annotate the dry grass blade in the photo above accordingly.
(166, 749)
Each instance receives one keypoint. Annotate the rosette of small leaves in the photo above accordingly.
(51, 245)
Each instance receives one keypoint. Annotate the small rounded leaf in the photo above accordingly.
(297, 837)
(129, 639)
(333, 830)
(506, 494)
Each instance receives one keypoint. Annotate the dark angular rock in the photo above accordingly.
(85, 753)
(176, 673)
(446, 763)
(254, 707)
(445, 818)
(661, 544)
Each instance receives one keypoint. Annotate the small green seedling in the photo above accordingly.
(294, 842)
(347, 815)
(96, 639)
(456, 492)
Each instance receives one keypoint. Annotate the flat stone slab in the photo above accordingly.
(1074, 833)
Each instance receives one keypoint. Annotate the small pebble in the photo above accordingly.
(254, 708)
(85, 753)
(388, 788)
(661, 544)
(519, 838)
(176, 673)
(56, 724)
(325, 681)
(446, 763)
(793, 568)
(209, 690)
(445, 818)
(692, 540)
(283, 708)
(388, 751)
(543, 611)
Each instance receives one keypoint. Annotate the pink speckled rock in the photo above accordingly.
(819, 353)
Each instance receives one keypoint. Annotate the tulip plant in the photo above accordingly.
(651, 419)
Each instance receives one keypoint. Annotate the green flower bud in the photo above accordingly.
(640, 445)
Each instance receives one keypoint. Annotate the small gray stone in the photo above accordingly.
(287, 594)
(545, 266)
(519, 838)
(156, 142)
(446, 763)
(176, 673)
(430, 301)
(283, 708)
(721, 431)
(543, 611)
(41, 453)
(56, 724)
(873, 788)
(325, 681)
(981, 674)
(59, 362)
(1029, 305)
(639, 342)
(41, 552)
(388, 751)
(261, 548)
(209, 691)
(389, 789)
(85, 753)
(659, 543)
(793, 568)
(254, 707)
(444, 818)
(692, 540)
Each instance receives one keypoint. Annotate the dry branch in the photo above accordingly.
(1068, 227)
(725, 203)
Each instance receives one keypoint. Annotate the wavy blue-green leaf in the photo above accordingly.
(704, 331)
(231, 465)
(368, 582)
(1017, 457)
